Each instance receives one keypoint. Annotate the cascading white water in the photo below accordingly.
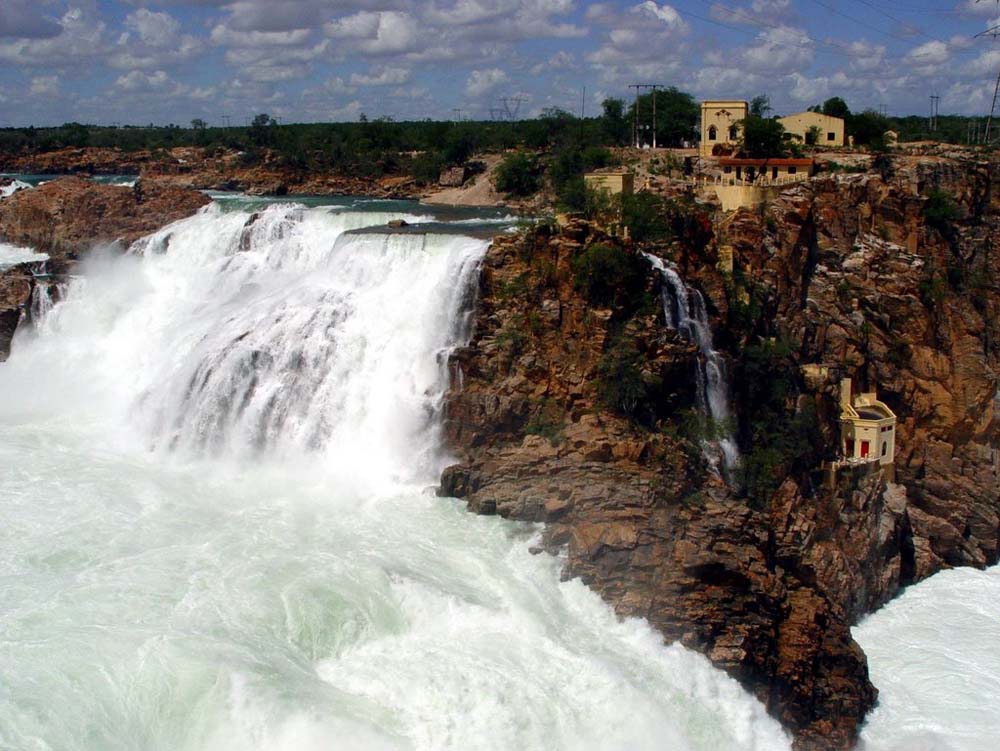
(12, 255)
(684, 309)
(215, 534)
(12, 188)
(934, 654)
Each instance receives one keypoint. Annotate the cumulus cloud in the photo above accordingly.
(44, 86)
(783, 49)
(928, 56)
(483, 81)
(643, 39)
(82, 37)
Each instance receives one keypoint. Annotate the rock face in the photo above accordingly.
(66, 217)
(880, 276)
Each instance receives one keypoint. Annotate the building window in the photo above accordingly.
(733, 133)
(885, 448)
(774, 173)
(831, 136)
(728, 170)
(712, 133)
(792, 170)
(850, 447)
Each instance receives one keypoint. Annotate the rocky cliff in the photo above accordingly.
(66, 217)
(884, 276)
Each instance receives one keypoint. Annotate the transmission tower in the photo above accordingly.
(991, 32)
(511, 106)
(638, 127)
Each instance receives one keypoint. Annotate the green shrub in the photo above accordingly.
(426, 168)
(647, 217)
(621, 385)
(517, 175)
(609, 275)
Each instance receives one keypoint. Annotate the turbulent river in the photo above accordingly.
(216, 528)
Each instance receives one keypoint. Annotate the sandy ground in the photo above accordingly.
(478, 192)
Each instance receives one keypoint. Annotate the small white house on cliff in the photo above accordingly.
(867, 427)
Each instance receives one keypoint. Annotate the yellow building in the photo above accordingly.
(765, 170)
(814, 128)
(867, 427)
(720, 133)
(614, 182)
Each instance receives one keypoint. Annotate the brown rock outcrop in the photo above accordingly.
(64, 218)
(69, 215)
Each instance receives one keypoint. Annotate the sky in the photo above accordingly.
(170, 61)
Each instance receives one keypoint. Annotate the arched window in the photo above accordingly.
(712, 133)
(734, 133)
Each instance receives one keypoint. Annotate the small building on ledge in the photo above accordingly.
(867, 427)
(779, 169)
(615, 182)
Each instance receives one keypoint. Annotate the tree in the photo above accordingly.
(836, 107)
(813, 133)
(868, 128)
(760, 105)
(198, 124)
(260, 130)
(762, 138)
(613, 122)
(517, 175)
(676, 115)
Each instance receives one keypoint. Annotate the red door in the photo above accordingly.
(865, 446)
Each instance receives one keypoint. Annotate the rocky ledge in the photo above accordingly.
(67, 217)
(574, 409)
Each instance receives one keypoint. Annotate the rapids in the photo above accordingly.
(217, 530)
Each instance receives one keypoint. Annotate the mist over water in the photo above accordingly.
(217, 533)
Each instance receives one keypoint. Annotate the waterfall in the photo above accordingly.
(45, 294)
(280, 333)
(684, 310)
(217, 534)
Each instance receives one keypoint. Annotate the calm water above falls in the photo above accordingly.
(215, 530)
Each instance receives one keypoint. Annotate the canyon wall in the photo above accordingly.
(886, 277)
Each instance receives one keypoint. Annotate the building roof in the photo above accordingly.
(810, 114)
(774, 162)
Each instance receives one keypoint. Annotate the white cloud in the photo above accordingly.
(928, 57)
(780, 50)
(483, 81)
(387, 76)
(42, 86)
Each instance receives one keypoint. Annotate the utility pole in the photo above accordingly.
(991, 32)
(225, 120)
(458, 114)
(932, 125)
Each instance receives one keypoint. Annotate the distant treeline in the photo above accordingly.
(421, 148)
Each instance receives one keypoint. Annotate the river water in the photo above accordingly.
(217, 529)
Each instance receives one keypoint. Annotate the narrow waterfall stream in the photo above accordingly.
(684, 310)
